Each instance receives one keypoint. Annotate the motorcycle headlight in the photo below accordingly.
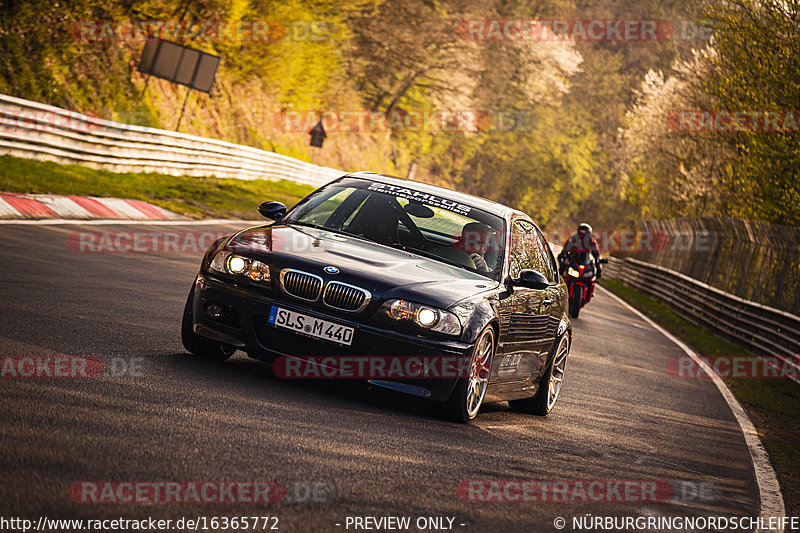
(423, 316)
(572, 272)
(588, 273)
(230, 263)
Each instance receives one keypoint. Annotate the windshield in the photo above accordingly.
(425, 224)
(580, 258)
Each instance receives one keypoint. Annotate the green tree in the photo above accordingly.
(756, 69)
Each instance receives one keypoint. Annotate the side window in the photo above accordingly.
(548, 262)
(526, 249)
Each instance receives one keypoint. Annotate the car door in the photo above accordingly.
(524, 313)
(554, 297)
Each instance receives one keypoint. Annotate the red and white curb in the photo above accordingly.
(45, 206)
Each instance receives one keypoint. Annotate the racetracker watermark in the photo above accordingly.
(613, 240)
(580, 30)
(26, 120)
(593, 30)
(371, 367)
(157, 492)
(202, 31)
(71, 367)
(405, 120)
(470, 240)
(610, 240)
(741, 121)
(756, 367)
(585, 490)
(144, 242)
(50, 366)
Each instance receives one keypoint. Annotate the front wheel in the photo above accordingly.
(197, 344)
(465, 401)
(549, 385)
(576, 301)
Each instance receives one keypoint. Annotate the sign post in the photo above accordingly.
(179, 64)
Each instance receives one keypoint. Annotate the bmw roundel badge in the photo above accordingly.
(331, 270)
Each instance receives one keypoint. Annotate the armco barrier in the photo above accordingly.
(747, 258)
(765, 330)
(39, 131)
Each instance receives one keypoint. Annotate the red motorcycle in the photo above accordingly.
(580, 275)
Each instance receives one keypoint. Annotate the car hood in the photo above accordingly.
(386, 272)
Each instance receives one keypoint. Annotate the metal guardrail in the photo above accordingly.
(39, 131)
(750, 259)
(763, 329)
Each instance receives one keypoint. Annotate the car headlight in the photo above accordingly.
(423, 316)
(230, 263)
(572, 272)
(236, 264)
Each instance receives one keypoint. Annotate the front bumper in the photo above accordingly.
(244, 324)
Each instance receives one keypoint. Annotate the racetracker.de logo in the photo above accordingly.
(50, 366)
(756, 367)
(615, 239)
(145, 242)
(593, 30)
(150, 492)
(371, 367)
(741, 121)
(260, 31)
(40, 121)
(202, 31)
(584, 490)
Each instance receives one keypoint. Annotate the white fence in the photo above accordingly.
(38, 131)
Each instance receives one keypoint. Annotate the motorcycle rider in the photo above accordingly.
(581, 241)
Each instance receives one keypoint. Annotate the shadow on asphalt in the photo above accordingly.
(240, 369)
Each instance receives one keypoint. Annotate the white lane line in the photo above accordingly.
(100, 222)
(769, 489)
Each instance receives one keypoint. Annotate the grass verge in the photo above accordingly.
(773, 404)
(203, 197)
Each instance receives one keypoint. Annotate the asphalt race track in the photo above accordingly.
(169, 416)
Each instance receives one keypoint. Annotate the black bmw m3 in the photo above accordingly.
(372, 267)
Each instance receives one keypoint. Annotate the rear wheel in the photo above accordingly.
(197, 344)
(465, 401)
(549, 385)
(575, 301)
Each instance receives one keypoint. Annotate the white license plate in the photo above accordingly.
(310, 326)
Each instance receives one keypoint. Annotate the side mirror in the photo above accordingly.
(603, 261)
(531, 279)
(272, 210)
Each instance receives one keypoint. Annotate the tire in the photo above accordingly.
(197, 344)
(576, 301)
(466, 399)
(549, 384)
